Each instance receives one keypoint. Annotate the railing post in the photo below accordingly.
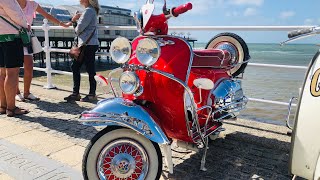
(46, 49)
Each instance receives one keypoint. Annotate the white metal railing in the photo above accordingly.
(47, 49)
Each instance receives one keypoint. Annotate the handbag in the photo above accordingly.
(23, 33)
(36, 46)
(77, 52)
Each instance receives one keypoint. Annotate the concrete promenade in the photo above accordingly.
(48, 143)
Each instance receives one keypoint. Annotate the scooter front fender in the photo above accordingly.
(124, 113)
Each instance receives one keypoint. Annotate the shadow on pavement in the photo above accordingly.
(233, 158)
(59, 126)
(72, 108)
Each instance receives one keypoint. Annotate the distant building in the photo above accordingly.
(108, 16)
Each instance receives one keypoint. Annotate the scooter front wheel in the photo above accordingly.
(121, 154)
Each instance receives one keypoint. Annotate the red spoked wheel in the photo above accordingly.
(121, 154)
(123, 159)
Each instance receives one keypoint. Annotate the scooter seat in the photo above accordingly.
(211, 58)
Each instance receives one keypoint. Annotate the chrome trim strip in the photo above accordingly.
(209, 56)
(207, 120)
(218, 129)
(110, 80)
(222, 67)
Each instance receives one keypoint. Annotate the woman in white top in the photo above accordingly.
(30, 8)
(11, 55)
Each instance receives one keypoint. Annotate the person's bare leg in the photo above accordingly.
(3, 101)
(28, 74)
(18, 90)
(11, 82)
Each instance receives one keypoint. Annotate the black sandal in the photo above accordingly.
(73, 97)
(16, 112)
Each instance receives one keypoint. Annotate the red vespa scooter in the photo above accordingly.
(170, 94)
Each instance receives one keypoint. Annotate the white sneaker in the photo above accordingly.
(19, 97)
(32, 97)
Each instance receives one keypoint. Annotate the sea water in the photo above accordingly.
(277, 84)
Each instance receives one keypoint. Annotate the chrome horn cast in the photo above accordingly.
(124, 159)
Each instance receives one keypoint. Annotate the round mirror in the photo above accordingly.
(148, 51)
(120, 50)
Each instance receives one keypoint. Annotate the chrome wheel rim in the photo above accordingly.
(231, 49)
(123, 159)
(233, 46)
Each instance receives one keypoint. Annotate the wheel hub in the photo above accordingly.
(123, 165)
(122, 159)
(231, 49)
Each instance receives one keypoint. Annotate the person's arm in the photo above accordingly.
(13, 10)
(52, 19)
(84, 20)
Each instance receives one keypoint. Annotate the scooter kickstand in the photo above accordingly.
(203, 160)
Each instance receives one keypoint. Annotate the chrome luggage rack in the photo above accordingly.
(232, 110)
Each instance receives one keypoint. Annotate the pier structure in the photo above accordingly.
(63, 38)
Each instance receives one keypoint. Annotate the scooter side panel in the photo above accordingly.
(305, 145)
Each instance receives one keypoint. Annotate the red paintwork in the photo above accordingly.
(214, 74)
(165, 96)
(211, 58)
(157, 25)
(104, 80)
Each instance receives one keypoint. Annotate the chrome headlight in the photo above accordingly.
(129, 82)
(148, 51)
(120, 50)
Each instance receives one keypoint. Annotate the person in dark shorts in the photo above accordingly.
(11, 55)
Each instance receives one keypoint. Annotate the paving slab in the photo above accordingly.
(41, 142)
(71, 156)
(9, 129)
(21, 163)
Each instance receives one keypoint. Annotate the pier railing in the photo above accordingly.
(47, 49)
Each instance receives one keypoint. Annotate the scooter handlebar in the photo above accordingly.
(299, 32)
(181, 9)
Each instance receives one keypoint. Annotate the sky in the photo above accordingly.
(233, 13)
